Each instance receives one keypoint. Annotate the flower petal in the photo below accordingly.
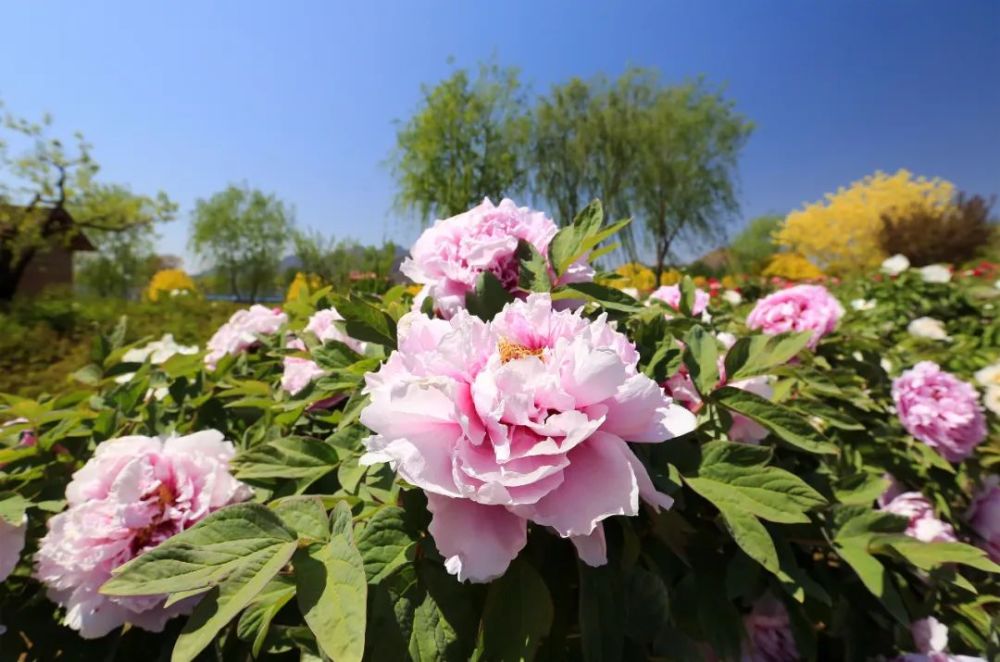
(478, 542)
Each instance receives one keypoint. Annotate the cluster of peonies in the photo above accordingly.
(930, 637)
(769, 633)
(922, 524)
(671, 295)
(298, 372)
(984, 516)
(243, 331)
(940, 410)
(156, 352)
(448, 257)
(134, 493)
(989, 377)
(932, 273)
(681, 388)
(524, 418)
(929, 328)
(800, 308)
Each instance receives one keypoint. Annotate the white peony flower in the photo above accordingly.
(928, 327)
(990, 378)
(886, 366)
(156, 352)
(631, 291)
(991, 399)
(863, 304)
(895, 265)
(935, 273)
(732, 297)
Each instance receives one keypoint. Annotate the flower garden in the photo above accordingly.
(525, 459)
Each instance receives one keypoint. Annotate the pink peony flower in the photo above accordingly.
(939, 410)
(322, 325)
(524, 418)
(449, 256)
(671, 295)
(924, 524)
(930, 636)
(11, 544)
(769, 633)
(799, 308)
(984, 516)
(243, 331)
(134, 493)
(680, 387)
(300, 371)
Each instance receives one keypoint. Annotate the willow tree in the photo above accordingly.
(49, 196)
(465, 141)
(687, 143)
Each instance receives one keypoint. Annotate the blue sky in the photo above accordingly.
(300, 98)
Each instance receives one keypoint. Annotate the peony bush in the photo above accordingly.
(520, 461)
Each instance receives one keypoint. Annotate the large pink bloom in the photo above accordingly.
(132, 495)
(769, 633)
(799, 308)
(449, 256)
(923, 525)
(984, 516)
(524, 418)
(243, 331)
(671, 295)
(940, 410)
(11, 545)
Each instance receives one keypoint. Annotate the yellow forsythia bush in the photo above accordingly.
(635, 275)
(312, 281)
(670, 277)
(792, 266)
(167, 281)
(841, 233)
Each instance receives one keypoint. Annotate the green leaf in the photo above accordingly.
(534, 271)
(785, 423)
(756, 355)
(363, 321)
(873, 575)
(647, 605)
(517, 615)
(13, 507)
(568, 244)
(602, 619)
(332, 592)
(489, 297)
(255, 621)
(445, 622)
(305, 515)
(860, 489)
(751, 536)
(228, 599)
(688, 296)
(730, 477)
(609, 297)
(204, 555)
(291, 457)
(385, 543)
(701, 354)
(930, 555)
(335, 355)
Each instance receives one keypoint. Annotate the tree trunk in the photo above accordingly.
(11, 271)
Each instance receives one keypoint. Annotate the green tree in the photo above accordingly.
(687, 143)
(242, 232)
(466, 141)
(336, 261)
(750, 250)
(45, 179)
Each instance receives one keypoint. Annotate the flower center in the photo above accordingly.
(510, 351)
(163, 497)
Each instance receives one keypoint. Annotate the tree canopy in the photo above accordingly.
(40, 177)
(243, 233)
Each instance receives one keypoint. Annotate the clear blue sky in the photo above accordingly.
(299, 98)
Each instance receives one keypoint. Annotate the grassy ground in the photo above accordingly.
(44, 340)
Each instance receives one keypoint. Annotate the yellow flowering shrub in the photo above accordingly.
(791, 266)
(301, 280)
(841, 233)
(635, 275)
(166, 281)
(670, 277)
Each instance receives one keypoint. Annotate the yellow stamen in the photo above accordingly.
(510, 351)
